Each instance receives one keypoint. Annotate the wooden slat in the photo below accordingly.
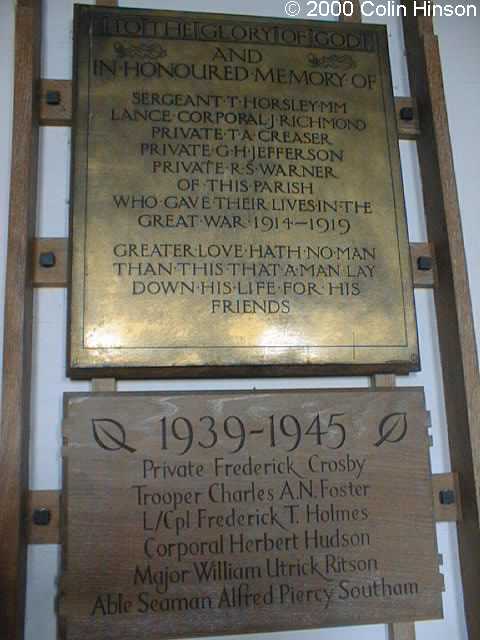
(43, 534)
(14, 430)
(425, 25)
(407, 129)
(421, 253)
(104, 384)
(446, 485)
(61, 115)
(356, 16)
(401, 631)
(383, 380)
(55, 115)
(452, 298)
(57, 274)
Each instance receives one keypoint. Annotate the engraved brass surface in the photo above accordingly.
(236, 198)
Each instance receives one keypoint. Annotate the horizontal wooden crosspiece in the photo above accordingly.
(56, 109)
(50, 263)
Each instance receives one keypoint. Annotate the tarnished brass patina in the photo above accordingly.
(237, 203)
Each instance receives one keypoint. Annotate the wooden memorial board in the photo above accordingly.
(237, 203)
(217, 513)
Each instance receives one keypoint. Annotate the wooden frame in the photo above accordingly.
(452, 302)
(15, 426)
(461, 377)
(50, 263)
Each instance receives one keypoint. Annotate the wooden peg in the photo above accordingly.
(446, 497)
(408, 121)
(55, 98)
(423, 265)
(50, 262)
(43, 517)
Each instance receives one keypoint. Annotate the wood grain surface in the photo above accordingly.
(45, 533)
(458, 351)
(59, 112)
(356, 15)
(408, 129)
(15, 425)
(200, 513)
(53, 275)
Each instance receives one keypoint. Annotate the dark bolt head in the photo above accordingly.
(424, 263)
(447, 496)
(53, 98)
(42, 517)
(407, 114)
(47, 259)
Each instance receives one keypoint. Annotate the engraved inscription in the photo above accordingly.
(238, 196)
(270, 511)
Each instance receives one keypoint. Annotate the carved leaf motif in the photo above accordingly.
(392, 428)
(110, 435)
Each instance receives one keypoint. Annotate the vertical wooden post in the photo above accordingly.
(14, 431)
(461, 377)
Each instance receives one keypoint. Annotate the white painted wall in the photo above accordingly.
(460, 47)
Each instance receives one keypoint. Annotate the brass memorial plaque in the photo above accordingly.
(222, 513)
(236, 198)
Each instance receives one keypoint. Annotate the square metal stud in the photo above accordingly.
(425, 263)
(447, 496)
(42, 517)
(407, 114)
(53, 98)
(47, 259)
